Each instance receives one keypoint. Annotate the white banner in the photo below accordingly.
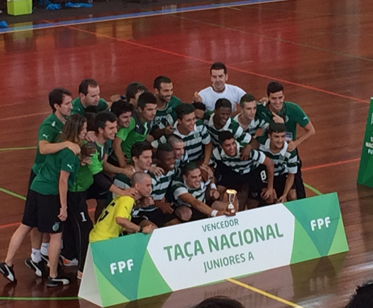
(211, 250)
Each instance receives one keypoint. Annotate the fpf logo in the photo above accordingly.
(320, 223)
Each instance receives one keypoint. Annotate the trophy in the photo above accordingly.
(231, 198)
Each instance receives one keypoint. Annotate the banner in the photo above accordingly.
(210, 250)
(365, 175)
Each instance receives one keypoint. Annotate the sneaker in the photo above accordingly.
(7, 271)
(57, 281)
(79, 275)
(67, 262)
(45, 259)
(37, 267)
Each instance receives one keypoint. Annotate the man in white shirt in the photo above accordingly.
(219, 89)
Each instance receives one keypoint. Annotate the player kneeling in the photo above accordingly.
(116, 217)
(285, 163)
(189, 196)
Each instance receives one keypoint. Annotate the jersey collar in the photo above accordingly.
(283, 150)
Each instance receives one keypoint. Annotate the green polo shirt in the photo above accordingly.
(293, 115)
(47, 180)
(78, 107)
(49, 130)
(137, 134)
(122, 134)
(166, 116)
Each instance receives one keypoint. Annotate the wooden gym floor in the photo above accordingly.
(320, 50)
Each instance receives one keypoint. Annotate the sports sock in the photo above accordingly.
(36, 255)
(44, 249)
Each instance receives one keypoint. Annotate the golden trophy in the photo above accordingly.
(231, 209)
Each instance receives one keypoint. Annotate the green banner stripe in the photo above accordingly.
(12, 193)
(313, 189)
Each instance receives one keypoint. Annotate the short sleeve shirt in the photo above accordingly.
(47, 180)
(232, 93)
(167, 116)
(293, 115)
(137, 134)
(49, 130)
(78, 107)
(106, 226)
(97, 159)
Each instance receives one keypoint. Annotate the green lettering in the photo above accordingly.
(213, 244)
(250, 256)
(168, 248)
(224, 242)
(248, 241)
(232, 240)
(270, 232)
(178, 252)
(259, 234)
(198, 248)
(278, 231)
(187, 253)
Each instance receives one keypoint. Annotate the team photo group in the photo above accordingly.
(150, 160)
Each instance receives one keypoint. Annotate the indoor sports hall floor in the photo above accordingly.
(321, 51)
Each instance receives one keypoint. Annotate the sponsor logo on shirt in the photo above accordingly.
(70, 166)
(45, 136)
(53, 124)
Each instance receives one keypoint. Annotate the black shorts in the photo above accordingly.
(226, 177)
(279, 184)
(41, 212)
(157, 217)
(77, 205)
(97, 192)
(256, 179)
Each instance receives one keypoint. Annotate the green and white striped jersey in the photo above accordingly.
(235, 163)
(285, 162)
(242, 137)
(194, 141)
(179, 163)
(179, 187)
(167, 116)
(160, 184)
(255, 124)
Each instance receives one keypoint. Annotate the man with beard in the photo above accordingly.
(166, 104)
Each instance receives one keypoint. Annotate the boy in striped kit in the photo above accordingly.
(189, 195)
(248, 118)
(194, 134)
(220, 120)
(285, 163)
(160, 211)
(233, 172)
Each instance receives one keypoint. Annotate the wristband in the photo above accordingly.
(214, 213)
(213, 186)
